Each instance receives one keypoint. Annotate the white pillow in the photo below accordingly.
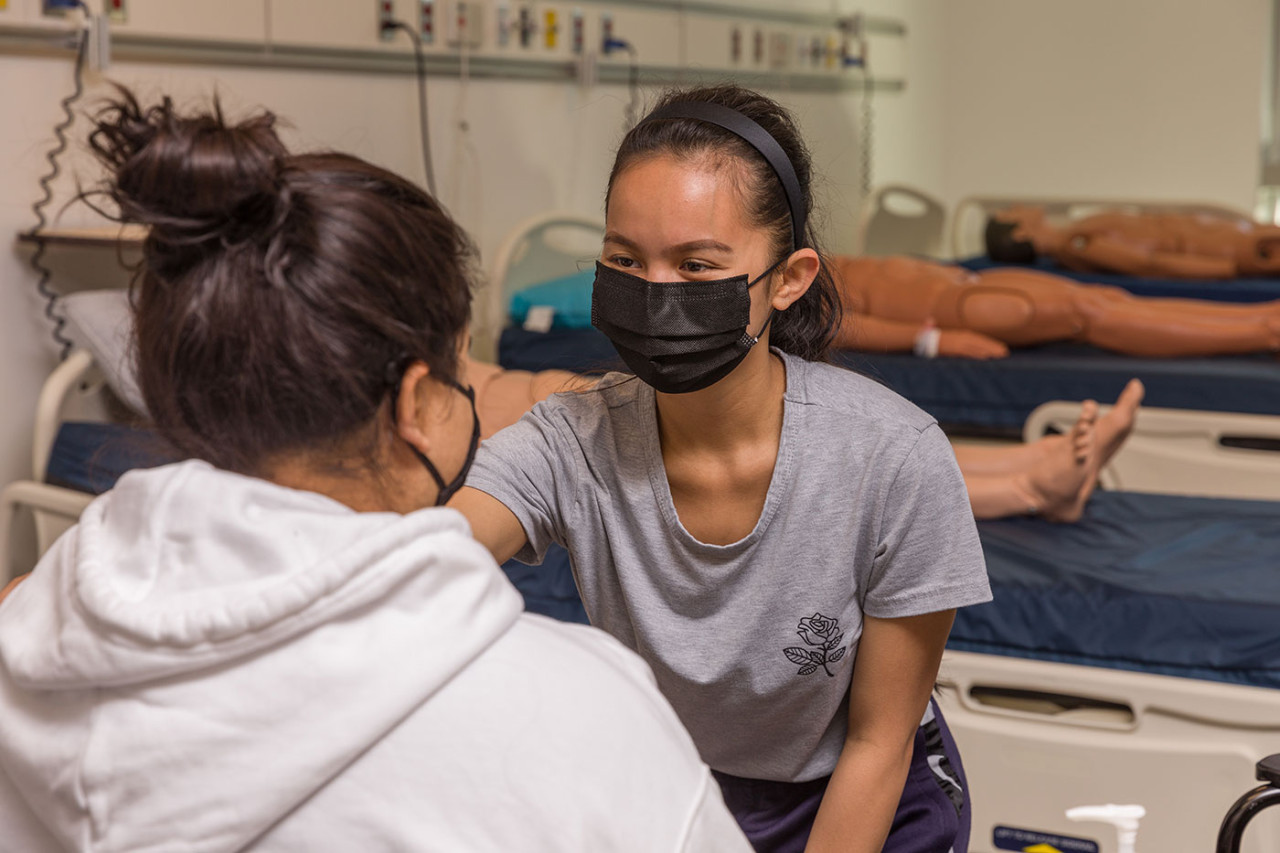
(102, 322)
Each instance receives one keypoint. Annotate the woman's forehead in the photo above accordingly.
(676, 201)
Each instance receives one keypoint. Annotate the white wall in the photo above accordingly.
(1113, 98)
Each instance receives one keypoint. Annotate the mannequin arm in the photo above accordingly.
(1113, 255)
(875, 334)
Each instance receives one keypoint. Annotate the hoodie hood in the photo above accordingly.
(204, 651)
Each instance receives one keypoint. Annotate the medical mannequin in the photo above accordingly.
(892, 304)
(1151, 244)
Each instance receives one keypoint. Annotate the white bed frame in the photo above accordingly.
(897, 219)
(540, 248)
(1075, 735)
(76, 389)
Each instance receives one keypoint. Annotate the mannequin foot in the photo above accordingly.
(1060, 483)
(1114, 427)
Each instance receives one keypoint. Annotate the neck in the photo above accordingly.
(743, 407)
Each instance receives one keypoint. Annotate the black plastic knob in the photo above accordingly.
(1269, 770)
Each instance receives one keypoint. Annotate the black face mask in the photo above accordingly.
(448, 490)
(677, 336)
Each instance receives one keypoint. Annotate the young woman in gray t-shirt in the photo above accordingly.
(747, 517)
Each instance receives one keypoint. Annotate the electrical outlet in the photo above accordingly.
(386, 20)
(427, 21)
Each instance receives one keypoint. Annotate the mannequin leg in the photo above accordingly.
(1177, 327)
(1023, 308)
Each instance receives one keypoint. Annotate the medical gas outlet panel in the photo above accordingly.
(660, 39)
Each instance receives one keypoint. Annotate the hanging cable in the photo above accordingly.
(854, 31)
(633, 78)
(421, 64)
(46, 186)
(866, 133)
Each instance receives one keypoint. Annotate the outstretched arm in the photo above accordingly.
(492, 524)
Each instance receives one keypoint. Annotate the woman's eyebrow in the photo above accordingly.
(691, 246)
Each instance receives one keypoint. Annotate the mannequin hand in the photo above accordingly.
(961, 343)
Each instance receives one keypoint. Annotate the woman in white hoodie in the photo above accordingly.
(267, 648)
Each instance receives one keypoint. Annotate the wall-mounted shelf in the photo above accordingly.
(126, 236)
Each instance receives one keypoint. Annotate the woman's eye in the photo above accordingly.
(694, 267)
(622, 261)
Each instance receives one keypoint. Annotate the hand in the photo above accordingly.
(961, 343)
(13, 584)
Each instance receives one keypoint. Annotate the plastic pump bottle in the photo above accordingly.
(1123, 818)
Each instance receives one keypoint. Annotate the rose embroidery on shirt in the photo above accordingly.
(824, 634)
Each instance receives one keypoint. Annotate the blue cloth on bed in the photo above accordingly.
(999, 394)
(1154, 583)
(569, 297)
(1219, 290)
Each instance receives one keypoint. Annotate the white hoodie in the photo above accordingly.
(210, 662)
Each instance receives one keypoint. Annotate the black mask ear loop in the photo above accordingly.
(395, 372)
(747, 336)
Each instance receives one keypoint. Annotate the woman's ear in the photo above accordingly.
(798, 273)
(412, 404)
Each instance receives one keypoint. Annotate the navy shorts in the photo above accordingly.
(932, 817)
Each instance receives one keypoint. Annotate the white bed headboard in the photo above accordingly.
(542, 247)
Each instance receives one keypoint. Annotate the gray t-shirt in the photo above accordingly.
(754, 642)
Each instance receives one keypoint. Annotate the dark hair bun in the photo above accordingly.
(190, 178)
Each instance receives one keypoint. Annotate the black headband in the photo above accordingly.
(755, 136)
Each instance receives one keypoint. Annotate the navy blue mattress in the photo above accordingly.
(1219, 290)
(90, 457)
(996, 395)
(1150, 583)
